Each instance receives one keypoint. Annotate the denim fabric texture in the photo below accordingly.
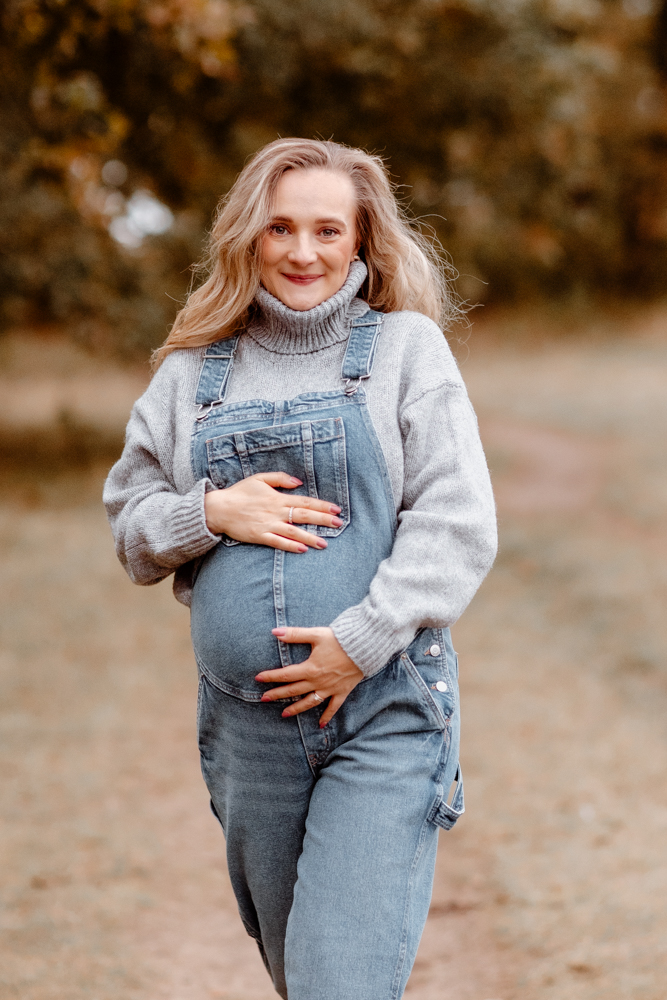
(331, 833)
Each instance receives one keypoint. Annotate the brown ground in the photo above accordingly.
(554, 884)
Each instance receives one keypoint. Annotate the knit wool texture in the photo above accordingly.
(446, 529)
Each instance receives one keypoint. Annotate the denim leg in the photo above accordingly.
(257, 774)
(365, 875)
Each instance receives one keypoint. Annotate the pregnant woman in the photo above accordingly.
(307, 462)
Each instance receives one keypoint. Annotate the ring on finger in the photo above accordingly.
(319, 698)
(290, 515)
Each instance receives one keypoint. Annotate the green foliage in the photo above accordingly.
(530, 134)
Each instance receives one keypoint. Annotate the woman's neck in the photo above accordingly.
(282, 330)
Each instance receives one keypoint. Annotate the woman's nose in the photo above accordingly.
(302, 252)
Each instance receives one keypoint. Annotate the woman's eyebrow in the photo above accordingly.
(318, 222)
(336, 221)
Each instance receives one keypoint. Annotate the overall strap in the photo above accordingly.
(215, 372)
(358, 360)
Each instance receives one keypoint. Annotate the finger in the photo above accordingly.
(276, 479)
(309, 635)
(312, 503)
(288, 691)
(297, 672)
(331, 709)
(301, 515)
(275, 541)
(310, 701)
(284, 530)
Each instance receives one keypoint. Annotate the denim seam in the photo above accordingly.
(440, 801)
(279, 604)
(451, 677)
(342, 483)
(400, 964)
(298, 427)
(240, 693)
(329, 400)
(418, 680)
(318, 757)
(200, 699)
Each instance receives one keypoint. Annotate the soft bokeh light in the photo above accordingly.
(144, 216)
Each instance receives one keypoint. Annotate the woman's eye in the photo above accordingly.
(278, 230)
(328, 232)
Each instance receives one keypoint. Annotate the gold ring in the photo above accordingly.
(290, 515)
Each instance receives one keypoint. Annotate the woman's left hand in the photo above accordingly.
(327, 673)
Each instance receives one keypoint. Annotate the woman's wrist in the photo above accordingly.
(214, 511)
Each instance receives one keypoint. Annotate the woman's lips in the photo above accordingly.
(302, 279)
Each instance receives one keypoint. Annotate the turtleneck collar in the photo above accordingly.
(282, 330)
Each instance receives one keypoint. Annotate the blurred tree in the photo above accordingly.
(85, 86)
(532, 136)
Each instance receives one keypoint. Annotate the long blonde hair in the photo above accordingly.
(405, 270)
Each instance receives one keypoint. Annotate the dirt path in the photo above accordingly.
(552, 887)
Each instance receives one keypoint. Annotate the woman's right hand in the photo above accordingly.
(253, 511)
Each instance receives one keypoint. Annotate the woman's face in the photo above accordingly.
(311, 239)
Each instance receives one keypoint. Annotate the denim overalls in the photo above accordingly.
(331, 833)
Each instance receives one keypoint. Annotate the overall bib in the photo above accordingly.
(331, 833)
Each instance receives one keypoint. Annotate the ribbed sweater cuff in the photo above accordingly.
(364, 641)
(187, 528)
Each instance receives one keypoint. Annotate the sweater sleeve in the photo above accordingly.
(156, 528)
(446, 539)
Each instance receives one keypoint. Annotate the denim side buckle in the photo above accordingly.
(445, 814)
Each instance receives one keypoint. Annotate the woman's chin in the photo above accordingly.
(300, 298)
(300, 301)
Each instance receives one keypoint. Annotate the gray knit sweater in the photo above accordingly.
(446, 530)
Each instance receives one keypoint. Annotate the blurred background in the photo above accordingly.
(531, 139)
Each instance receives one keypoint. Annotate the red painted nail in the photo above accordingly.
(302, 548)
(321, 543)
(333, 509)
(336, 521)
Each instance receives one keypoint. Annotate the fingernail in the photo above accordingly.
(333, 509)
(321, 544)
(323, 725)
(265, 697)
(302, 548)
(279, 631)
(297, 482)
(336, 521)
(285, 714)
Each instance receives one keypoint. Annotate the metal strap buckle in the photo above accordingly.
(205, 409)
(350, 389)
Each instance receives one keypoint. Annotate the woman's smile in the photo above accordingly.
(302, 279)
(313, 225)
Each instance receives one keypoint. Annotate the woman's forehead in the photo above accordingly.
(322, 195)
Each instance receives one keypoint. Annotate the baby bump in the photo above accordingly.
(232, 614)
(243, 591)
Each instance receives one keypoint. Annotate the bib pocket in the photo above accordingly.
(312, 450)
